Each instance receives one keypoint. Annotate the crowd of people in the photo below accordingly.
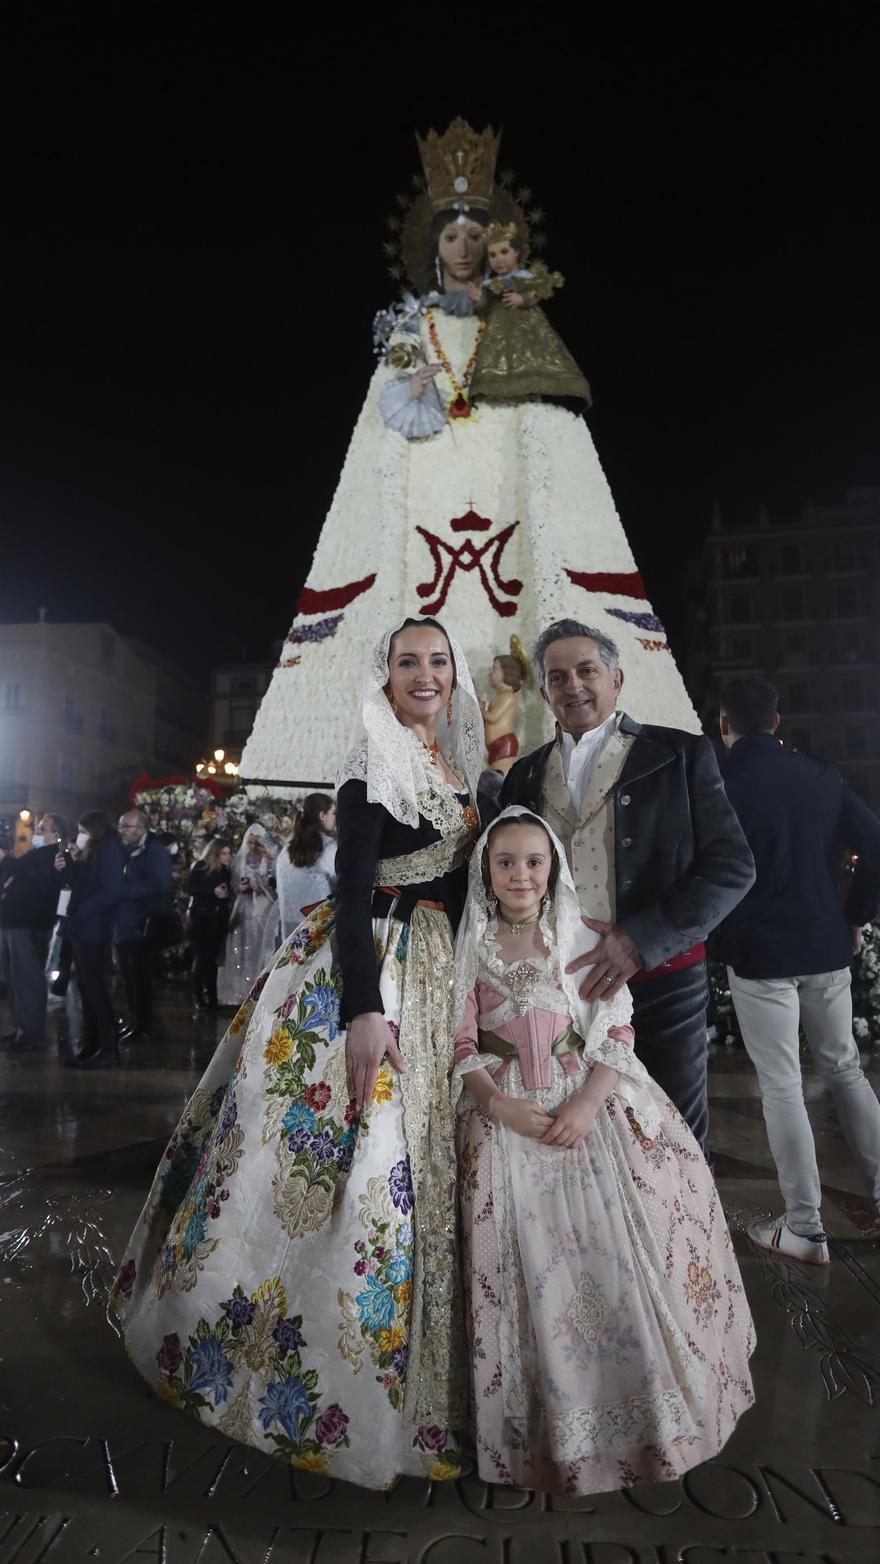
(76, 904)
(456, 1134)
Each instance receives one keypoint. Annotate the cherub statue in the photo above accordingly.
(519, 355)
(509, 673)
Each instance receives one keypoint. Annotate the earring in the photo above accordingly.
(439, 272)
(545, 903)
(449, 710)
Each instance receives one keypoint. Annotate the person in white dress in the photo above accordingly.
(305, 869)
(609, 1329)
(254, 911)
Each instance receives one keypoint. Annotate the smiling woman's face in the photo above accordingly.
(420, 673)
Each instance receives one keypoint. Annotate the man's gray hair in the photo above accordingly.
(138, 815)
(566, 630)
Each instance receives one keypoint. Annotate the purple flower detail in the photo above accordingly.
(400, 1186)
(126, 1279)
(299, 1141)
(330, 1428)
(288, 1337)
(217, 1101)
(344, 1156)
(230, 1114)
(323, 1147)
(643, 621)
(289, 1006)
(399, 1360)
(432, 1438)
(258, 987)
(393, 1028)
(239, 1312)
(170, 1356)
(321, 630)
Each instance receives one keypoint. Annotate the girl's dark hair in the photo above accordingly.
(428, 279)
(421, 624)
(524, 819)
(306, 842)
(99, 825)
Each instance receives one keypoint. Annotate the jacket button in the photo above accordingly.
(624, 799)
(627, 841)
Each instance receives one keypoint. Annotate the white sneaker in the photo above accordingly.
(775, 1233)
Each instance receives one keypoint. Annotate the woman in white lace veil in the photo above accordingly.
(254, 912)
(609, 1329)
(315, 1206)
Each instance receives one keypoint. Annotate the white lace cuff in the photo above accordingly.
(416, 418)
(465, 1066)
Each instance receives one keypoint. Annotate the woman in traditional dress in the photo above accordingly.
(291, 1280)
(609, 1329)
(253, 923)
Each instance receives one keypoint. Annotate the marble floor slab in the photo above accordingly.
(94, 1466)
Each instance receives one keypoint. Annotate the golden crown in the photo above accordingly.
(459, 167)
(498, 231)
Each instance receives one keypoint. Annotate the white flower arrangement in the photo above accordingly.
(529, 470)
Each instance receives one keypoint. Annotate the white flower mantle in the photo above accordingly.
(528, 463)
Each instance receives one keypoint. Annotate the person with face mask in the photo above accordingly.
(98, 888)
(27, 913)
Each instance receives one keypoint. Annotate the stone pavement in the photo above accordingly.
(94, 1466)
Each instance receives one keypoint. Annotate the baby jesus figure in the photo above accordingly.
(520, 355)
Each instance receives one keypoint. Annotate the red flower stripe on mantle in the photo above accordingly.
(623, 583)
(311, 602)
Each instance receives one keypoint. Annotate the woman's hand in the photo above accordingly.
(222, 891)
(60, 862)
(368, 1041)
(572, 1123)
(520, 1115)
(420, 380)
(513, 301)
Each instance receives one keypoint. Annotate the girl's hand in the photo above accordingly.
(420, 380)
(368, 1041)
(520, 1115)
(473, 291)
(513, 301)
(572, 1123)
(623, 1034)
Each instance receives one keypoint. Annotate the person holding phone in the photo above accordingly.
(28, 902)
(209, 886)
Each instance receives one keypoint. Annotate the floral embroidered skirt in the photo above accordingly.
(291, 1279)
(610, 1333)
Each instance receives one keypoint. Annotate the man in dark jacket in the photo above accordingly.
(788, 948)
(30, 890)
(146, 894)
(656, 851)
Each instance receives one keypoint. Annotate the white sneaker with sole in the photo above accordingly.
(775, 1233)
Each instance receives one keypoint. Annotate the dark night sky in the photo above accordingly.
(192, 260)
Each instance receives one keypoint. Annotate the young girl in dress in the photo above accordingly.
(520, 355)
(609, 1329)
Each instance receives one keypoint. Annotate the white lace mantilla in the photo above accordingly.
(389, 758)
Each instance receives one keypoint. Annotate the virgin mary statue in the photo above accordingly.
(492, 512)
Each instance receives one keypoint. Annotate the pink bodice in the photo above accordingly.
(532, 1034)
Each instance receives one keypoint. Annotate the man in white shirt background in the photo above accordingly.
(657, 853)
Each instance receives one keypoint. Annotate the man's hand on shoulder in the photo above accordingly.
(612, 962)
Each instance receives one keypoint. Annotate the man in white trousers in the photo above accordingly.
(788, 948)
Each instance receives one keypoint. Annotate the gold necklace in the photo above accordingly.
(519, 925)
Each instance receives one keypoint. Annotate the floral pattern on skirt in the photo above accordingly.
(610, 1333)
(268, 1287)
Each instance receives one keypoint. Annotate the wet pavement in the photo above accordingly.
(94, 1466)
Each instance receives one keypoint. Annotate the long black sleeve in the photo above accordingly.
(359, 827)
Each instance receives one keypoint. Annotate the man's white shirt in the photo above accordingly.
(578, 759)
